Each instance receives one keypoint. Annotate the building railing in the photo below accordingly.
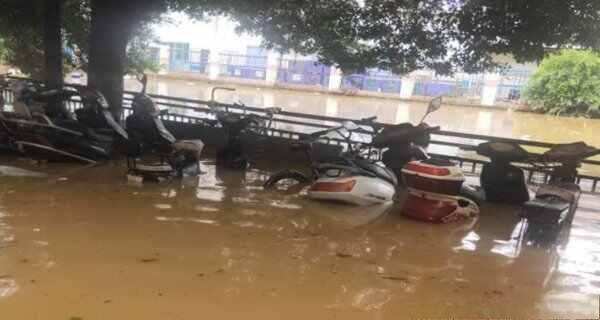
(293, 126)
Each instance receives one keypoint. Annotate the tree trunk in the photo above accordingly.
(111, 28)
(53, 49)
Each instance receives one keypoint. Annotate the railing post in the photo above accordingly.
(214, 64)
(335, 79)
(407, 87)
(273, 61)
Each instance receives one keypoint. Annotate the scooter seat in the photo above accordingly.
(379, 171)
(555, 205)
(548, 211)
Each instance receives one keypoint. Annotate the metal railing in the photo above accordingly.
(293, 126)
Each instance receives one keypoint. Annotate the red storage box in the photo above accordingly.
(435, 176)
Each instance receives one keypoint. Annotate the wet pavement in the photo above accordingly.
(80, 243)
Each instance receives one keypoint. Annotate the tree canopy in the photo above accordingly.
(397, 35)
(567, 83)
(21, 34)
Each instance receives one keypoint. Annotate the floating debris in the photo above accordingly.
(8, 171)
(343, 255)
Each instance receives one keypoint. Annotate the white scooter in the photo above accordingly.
(351, 178)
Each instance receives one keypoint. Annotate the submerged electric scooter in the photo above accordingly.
(434, 185)
(351, 178)
(153, 153)
(501, 181)
(43, 128)
(234, 154)
(552, 210)
(406, 142)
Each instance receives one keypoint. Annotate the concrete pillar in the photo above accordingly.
(490, 89)
(164, 59)
(335, 79)
(214, 61)
(273, 61)
(407, 88)
(214, 64)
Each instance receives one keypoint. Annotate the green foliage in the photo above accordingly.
(138, 54)
(567, 83)
(401, 36)
(21, 42)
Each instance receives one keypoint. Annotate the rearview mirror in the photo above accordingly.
(143, 79)
(349, 125)
(434, 105)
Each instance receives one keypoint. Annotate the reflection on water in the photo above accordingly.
(221, 244)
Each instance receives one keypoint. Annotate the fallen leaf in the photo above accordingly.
(394, 278)
(343, 255)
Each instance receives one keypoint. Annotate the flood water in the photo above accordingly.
(80, 243)
(484, 121)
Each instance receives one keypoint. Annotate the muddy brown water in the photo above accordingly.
(81, 243)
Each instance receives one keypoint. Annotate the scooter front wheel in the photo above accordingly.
(286, 180)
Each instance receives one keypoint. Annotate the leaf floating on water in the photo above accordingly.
(395, 278)
(343, 255)
(148, 260)
(18, 172)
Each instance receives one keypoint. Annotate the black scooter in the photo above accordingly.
(153, 153)
(234, 154)
(405, 142)
(501, 181)
(552, 210)
(44, 128)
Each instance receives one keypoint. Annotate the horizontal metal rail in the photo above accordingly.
(306, 123)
